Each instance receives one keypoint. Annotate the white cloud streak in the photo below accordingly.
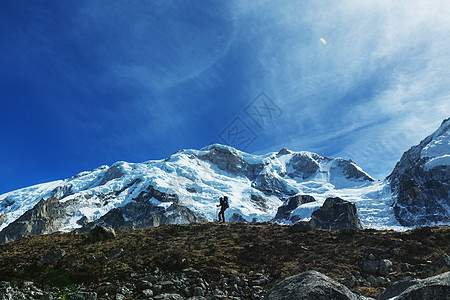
(377, 87)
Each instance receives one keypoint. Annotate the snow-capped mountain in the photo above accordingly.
(282, 186)
(185, 188)
(421, 181)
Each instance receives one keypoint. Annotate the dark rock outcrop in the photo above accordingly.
(229, 161)
(101, 233)
(336, 214)
(376, 262)
(303, 166)
(284, 211)
(237, 218)
(144, 214)
(441, 265)
(421, 190)
(259, 201)
(114, 172)
(271, 185)
(310, 285)
(42, 218)
(52, 256)
(351, 171)
(3, 217)
(436, 287)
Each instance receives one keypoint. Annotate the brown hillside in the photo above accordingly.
(209, 247)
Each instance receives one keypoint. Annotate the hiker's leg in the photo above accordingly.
(220, 216)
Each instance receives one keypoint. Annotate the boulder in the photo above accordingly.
(336, 214)
(310, 285)
(436, 287)
(386, 267)
(441, 265)
(101, 233)
(52, 256)
(237, 218)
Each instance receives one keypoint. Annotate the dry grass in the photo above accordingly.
(209, 247)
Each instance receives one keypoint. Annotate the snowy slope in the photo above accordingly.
(256, 185)
(437, 151)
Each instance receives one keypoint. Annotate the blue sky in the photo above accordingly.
(87, 83)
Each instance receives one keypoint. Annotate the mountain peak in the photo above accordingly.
(284, 151)
(419, 180)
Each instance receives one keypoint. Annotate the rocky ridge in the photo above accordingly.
(420, 181)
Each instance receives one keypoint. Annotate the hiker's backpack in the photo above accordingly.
(225, 202)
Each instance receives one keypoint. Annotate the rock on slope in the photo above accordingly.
(421, 181)
(336, 214)
(436, 287)
(311, 285)
(183, 188)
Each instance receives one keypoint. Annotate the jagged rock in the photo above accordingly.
(336, 214)
(42, 218)
(386, 267)
(284, 211)
(310, 285)
(421, 181)
(101, 233)
(441, 265)
(436, 287)
(351, 171)
(114, 172)
(371, 266)
(230, 161)
(52, 256)
(144, 214)
(237, 218)
(396, 289)
(259, 201)
(303, 166)
(284, 151)
(271, 185)
(3, 217)
(62, 191)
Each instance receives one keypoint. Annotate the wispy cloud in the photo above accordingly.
(378, 85)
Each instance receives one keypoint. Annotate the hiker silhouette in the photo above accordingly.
(223, 206)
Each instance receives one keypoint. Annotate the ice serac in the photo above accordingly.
(420, 181)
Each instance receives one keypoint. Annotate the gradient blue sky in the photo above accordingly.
(87, 83)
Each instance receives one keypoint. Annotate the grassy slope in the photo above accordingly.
(280, 250)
